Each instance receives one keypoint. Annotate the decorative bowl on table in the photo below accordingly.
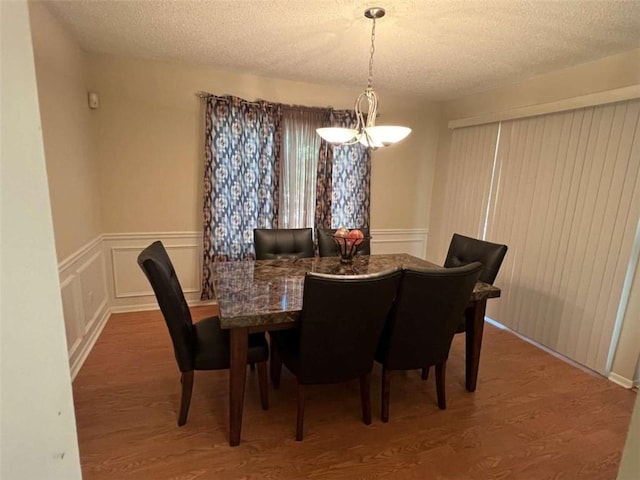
(348, 243)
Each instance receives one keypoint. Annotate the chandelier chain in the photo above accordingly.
(366, 132)
(372, 51)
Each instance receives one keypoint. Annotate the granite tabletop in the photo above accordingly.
(269, 292)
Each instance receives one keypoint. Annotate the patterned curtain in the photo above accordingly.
(241, 181)
(351, 179)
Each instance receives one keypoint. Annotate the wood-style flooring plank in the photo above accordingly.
(533, 416)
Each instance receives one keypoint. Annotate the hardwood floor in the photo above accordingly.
(533, 416)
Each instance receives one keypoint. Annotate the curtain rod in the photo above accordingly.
(203, 95)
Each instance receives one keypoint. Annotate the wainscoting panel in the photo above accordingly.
(72, 311)
(83, 285)
(91, 276)
(412, 241)
(129, 289)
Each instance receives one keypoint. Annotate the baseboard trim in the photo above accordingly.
(104, 319)
(92, 321)
(623, 381)
(544, 348)
(147, 307)
(87, 346)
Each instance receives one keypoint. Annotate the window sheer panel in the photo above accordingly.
(300, 151)
(566, 202)
(468, 183)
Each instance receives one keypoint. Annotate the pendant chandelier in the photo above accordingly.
(366, 131)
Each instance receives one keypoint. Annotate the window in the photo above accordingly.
(299, 166)
(266, 167)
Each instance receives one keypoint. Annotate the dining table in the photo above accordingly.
(266, 295)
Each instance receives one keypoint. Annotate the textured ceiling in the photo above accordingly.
(440, 49)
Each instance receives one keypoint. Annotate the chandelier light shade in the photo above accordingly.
(337, 135)
(367, 132)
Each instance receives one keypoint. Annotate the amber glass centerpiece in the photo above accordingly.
(348, 246)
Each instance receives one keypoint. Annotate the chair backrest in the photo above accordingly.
(273, 243)
(157, 266)
(327, 247)
(464, 250)
(341, 322)
(425, 315)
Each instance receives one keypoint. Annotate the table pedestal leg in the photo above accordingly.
(237, 379)
(474, 322)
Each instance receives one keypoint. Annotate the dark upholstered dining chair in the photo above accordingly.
(200, 346)
(422, 324)
(340, 325)
(327, 247)
(464, 250)
(274, 243)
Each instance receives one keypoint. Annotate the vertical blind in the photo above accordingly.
(567, 202)
(467, 184)
(564, 195)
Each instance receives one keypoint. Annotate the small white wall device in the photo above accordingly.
(94, 100)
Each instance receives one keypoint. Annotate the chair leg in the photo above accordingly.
(440, 381)
(263, 383)
(300, 418)
(386, 394)
(425, 373)
(275, 367)
(185, 401)
(365, 397)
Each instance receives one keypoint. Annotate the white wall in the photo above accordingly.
(630, 462)
(38, 436)
(71, 168)
(149, 142)
(73, 178)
